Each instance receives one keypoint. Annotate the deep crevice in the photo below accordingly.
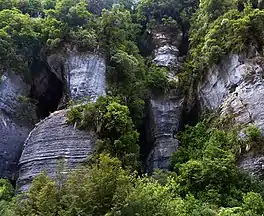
(47, 89)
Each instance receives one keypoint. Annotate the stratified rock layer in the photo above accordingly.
(165, 114)
(51, 140)
(14, 125)
(236, 87)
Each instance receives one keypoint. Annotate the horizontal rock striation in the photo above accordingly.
(53, 139)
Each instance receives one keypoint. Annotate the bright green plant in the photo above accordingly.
(114, 126)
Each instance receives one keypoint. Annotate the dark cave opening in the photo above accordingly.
(46, 89)
(147, 136)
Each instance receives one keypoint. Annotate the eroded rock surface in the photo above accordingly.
(53, 139)
(165, 113)
(166, 53)
(236, 87)
(164, 110)
(15, 122)
(86, 75)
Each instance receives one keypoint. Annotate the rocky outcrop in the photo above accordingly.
(164, 110)
(166, 53)
(236, 87)
(16, 120)
(165, 119)
(86, 75)
(53, 139)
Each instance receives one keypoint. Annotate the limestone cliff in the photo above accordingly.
(165, 109)
(165, 119)
(53, 138)
(16, 120)
(235, 87)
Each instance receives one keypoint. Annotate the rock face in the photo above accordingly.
(164, 110)
(164, 119)
(51, 140)
(86, 75)
(14, 127)
(236, 87)
(166, 52)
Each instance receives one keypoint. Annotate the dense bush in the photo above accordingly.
(6, 194)
(114, 126)
(223, 27)
(157, 78)
(206, 165)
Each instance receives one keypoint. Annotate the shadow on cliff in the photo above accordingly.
(47, 88)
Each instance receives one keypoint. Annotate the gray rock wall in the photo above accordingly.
(85, 75)
(165, 110)
(14, 126)
(166, 113)
(53, 139)
(166, 52)
(236, 87)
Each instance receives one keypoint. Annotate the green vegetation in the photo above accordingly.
(6, 194)
(223, 27)
(114, 127)
(206, 164)
(204, 179)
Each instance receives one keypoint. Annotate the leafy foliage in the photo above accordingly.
(206, 165)
(222, 27)
(6, 194)
(204, 179)
(114, 126)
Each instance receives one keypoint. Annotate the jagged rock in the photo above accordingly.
(165, 118)
(220, 81)
(15, 122)
(166, 53)
(51, 140)
(236, 87)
